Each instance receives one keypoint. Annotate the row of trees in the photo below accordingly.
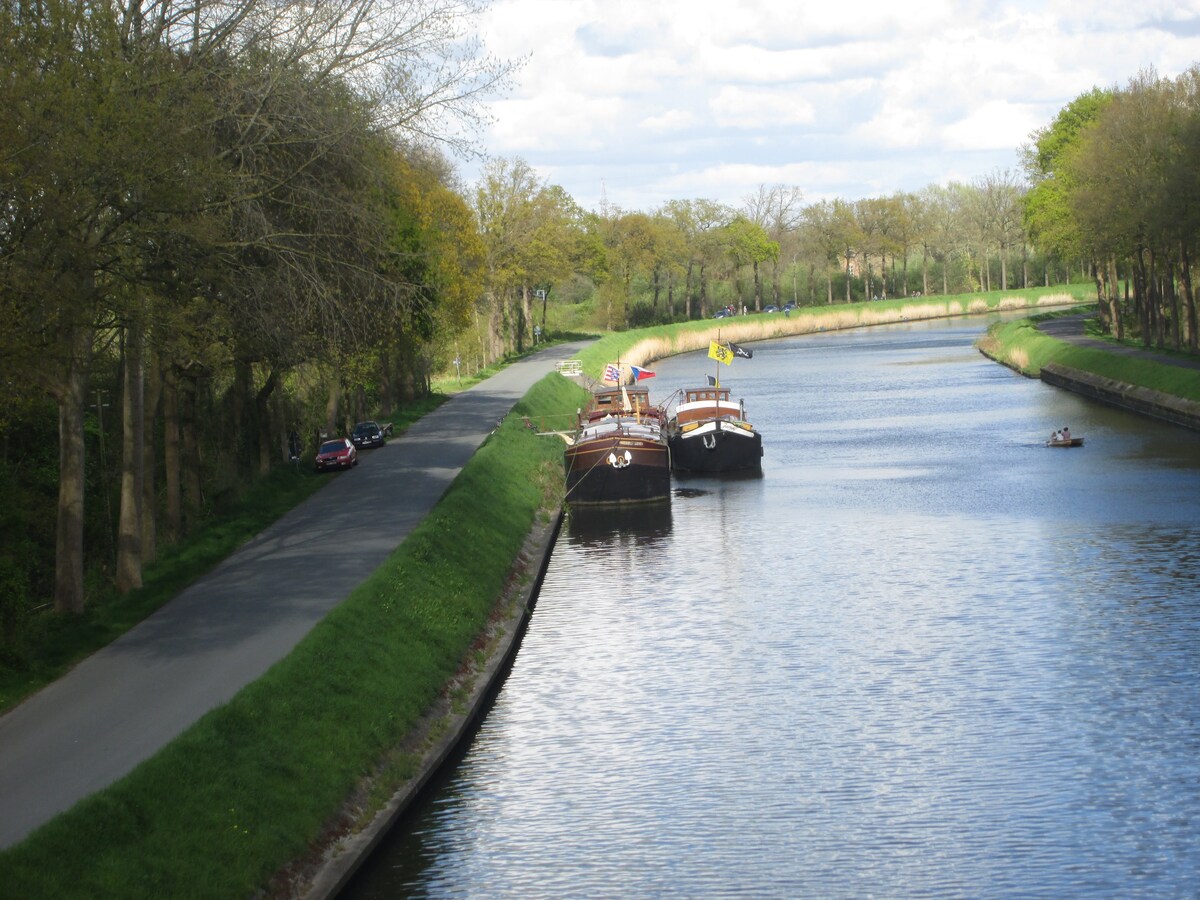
(690, 256)
(209, 204)
(1108, 190)
(1116, 180)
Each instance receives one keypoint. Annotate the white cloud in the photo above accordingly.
(680, 98)
(997, 125)
(735, 107)
(671, 120)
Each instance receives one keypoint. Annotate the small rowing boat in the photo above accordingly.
(1065, 442)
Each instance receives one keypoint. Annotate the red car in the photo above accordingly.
(336, 454)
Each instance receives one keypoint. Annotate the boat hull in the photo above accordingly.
(617, 469)
(1070, 442)
(717, 446)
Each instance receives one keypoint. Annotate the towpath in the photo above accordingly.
(1071, 330)
(125, 702)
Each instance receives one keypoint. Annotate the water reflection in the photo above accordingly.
(635, 522)
(922, 655)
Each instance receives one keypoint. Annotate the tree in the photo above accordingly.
(745, 244)
(1001, 196)
(777, 210)
(1047, 215)
(698, 221)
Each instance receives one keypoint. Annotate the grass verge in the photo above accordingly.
(1021, 346)
(249, 787)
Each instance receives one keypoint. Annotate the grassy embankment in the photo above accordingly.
(644, 345)
(1020, 346)
(257, 782)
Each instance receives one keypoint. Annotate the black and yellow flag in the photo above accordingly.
(720, 352)
(738, 350)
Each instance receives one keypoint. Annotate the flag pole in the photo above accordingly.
(717, 363)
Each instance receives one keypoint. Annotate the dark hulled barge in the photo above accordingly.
(618, 453)
(708, 433)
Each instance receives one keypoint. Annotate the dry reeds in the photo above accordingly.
(688, 337)
(761, 328)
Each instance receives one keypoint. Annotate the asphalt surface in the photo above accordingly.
(1071, 329)
(125, 702)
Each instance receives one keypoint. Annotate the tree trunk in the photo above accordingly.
(1189, 297)
(1141, 299)
(172, 462)
(332, 401)
(238, 449)
(687, 292)
(386, 403)
(1157, 303)
(193, 493)
(1173, 294)
(129, 530)
(72, 398)
(524, 317)
(262, 405)
(149, 495)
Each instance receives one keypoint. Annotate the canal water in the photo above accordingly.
(922, 656)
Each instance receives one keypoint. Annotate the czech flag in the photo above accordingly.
(639, 373)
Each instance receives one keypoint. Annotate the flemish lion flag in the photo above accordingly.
(720, 353)
(738, 350)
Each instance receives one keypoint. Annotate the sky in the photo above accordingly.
(631, 103)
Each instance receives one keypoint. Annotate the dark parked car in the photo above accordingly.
(368, 434)
(338, 453)
(771, 308)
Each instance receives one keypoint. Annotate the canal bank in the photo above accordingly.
(1057, 350)
(1155, 404)
(332, 864)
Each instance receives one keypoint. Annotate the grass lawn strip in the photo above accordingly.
(1020, 346)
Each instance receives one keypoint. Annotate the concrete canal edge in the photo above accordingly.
(462, 704)
(1175, 410)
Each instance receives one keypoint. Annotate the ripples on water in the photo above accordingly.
(922, 655)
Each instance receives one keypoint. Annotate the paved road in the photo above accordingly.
(1071, 329)
(124, 703)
